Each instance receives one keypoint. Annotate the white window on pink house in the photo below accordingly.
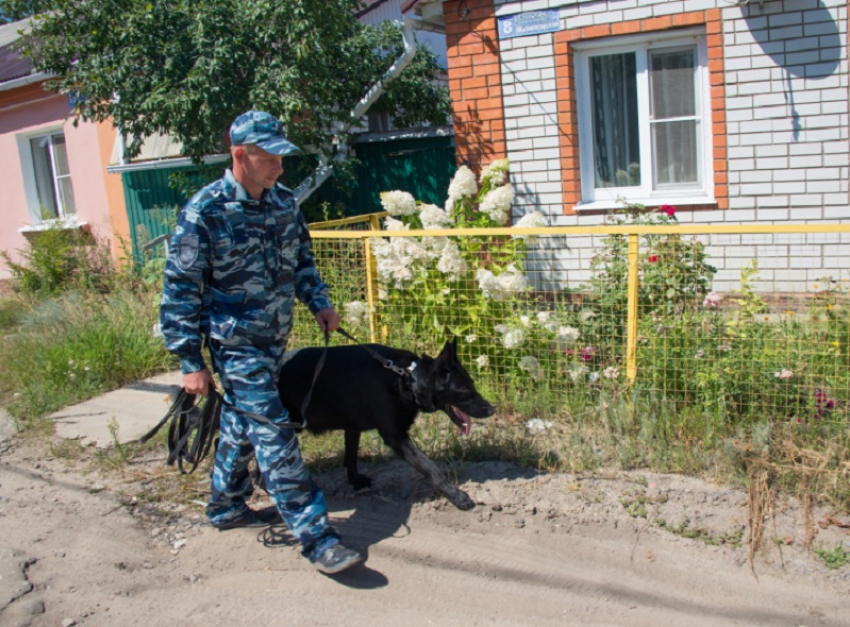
(644, 115)
(52, 176)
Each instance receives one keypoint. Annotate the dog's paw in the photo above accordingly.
(462, 501)
(361, 482)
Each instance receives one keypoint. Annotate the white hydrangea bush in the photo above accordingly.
(473, 288)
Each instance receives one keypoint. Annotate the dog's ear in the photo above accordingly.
(449, 352)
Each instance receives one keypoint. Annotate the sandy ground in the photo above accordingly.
(76, 548)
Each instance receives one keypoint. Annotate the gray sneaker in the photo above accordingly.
(336, 559)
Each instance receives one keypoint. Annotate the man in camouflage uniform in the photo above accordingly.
(239, 257)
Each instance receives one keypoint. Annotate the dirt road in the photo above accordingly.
(537, 550)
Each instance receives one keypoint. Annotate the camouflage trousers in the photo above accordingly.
(249, 377)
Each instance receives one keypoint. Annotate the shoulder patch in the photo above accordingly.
(187, 251)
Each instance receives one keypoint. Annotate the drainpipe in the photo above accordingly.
(323, 171)
(122, 146)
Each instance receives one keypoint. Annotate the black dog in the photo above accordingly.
(356, 392)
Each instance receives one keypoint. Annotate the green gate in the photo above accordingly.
(154, 197)
(422, 166)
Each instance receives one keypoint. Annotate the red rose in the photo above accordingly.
(653, 258)
(670, 210)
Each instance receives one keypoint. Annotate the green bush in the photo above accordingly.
(673, 274)
(61, 258)
(12, 310)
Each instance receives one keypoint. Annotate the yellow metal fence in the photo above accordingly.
(734, 324)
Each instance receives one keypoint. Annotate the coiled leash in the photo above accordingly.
(193, 427)
(191, 432)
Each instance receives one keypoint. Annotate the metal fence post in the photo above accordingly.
(631, 327)
(372, 279)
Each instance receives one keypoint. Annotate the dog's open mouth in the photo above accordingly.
(458, 417)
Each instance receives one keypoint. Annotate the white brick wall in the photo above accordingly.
(787, 121)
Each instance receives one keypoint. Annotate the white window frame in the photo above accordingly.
(31, 187)
(593, 198)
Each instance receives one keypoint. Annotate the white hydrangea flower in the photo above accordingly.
(391, 224)
(512, 281)
(356, 313)
(513, 337)
(567, 336)
(398, 203)
(398, 258)
(433, 217)
(451, 261)
(497, 203)
(525, 320)
(463, 183)
(435, 245)
(530, 220)
(530, 364)
(482, 361)
(488, 283)
(577, 371)
(495, 172)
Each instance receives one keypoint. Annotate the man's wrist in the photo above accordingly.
(319, 303)
(192, 364)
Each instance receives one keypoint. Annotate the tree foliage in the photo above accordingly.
(14, 10)
(189, 67)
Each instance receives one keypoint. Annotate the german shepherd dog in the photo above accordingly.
(356, 392)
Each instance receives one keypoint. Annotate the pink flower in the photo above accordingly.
(712, 299)
(670, 210)
(588, 353)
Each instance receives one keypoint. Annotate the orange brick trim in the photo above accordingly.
(568, 113)
(475, 82)
(26, 94)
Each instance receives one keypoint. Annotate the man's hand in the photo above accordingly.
(328, 319)
(198, 382)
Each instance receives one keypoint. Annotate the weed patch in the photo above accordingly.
(834, 558)
(732, 539)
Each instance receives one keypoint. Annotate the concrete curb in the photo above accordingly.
(136, 408)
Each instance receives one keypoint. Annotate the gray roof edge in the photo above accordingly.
(21, 81)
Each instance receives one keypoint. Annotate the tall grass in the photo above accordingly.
(73, 347)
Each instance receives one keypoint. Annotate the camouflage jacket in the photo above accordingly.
(234, 268)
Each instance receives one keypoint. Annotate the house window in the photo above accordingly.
(52, 176)
(644, 120)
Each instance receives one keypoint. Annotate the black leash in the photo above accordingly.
(304, 404)
(199, 424)
(189, 422)
(386, 363)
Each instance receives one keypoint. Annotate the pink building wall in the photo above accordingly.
(48, 113)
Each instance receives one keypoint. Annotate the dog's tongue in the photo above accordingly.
(467, 423)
